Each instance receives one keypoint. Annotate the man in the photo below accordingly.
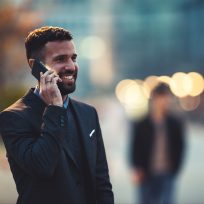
(157, 150)
(54, 143)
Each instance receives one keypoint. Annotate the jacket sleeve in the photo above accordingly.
(179, 144)
(36, 155)
(136, 146)
(103, 185)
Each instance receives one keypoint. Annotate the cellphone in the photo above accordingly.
(39, 67)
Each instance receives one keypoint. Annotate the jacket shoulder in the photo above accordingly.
(15, 107)
(17, 112)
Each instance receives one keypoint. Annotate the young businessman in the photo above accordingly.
(54, 143)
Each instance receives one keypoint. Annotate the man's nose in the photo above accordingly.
(70, 66)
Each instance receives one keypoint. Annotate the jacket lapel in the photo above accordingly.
(84, 128)
(69, 154)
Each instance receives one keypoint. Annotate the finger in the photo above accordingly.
(48, 88)
(49, 76)
(48, 72)
(59, 79)
(55, 80)
(42, 80)
(54, 75)
(48, 79)
(43, 88)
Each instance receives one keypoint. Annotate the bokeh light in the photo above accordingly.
(189, 103)
(181, 84)
(134, 94)
(197, 83)
(131, 95)
(165, 79)
(121, 89)
(150, 83)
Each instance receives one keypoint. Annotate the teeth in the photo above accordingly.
(69, 77)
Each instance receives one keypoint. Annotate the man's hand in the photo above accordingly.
(49, 90)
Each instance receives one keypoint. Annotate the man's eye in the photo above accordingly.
(61, 59)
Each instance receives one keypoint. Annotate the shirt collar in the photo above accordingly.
(65, 103)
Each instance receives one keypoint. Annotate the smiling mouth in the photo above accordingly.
(69, 77)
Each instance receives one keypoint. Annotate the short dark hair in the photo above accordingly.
(161, 89)
(36, 40)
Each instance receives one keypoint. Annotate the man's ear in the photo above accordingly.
(30, 62)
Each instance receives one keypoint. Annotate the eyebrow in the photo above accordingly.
(58, 56)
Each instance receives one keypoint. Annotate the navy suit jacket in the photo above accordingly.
(43, 167)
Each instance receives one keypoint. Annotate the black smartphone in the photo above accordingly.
(39, 67)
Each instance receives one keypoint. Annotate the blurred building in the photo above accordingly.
(136, 38)
(158, 37)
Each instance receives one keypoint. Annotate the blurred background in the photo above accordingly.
(125, 48)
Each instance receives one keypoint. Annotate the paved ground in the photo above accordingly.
(190, 185)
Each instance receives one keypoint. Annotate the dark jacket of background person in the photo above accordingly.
(143, 141)
(42, 164)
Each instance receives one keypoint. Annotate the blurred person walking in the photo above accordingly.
(157, 150)
(54, 143)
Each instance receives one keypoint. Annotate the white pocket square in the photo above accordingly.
(91, 133)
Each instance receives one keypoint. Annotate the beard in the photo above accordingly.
(67, 86)
(64, 89)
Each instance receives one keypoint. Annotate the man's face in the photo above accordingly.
(60, 56)
(162, 102)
